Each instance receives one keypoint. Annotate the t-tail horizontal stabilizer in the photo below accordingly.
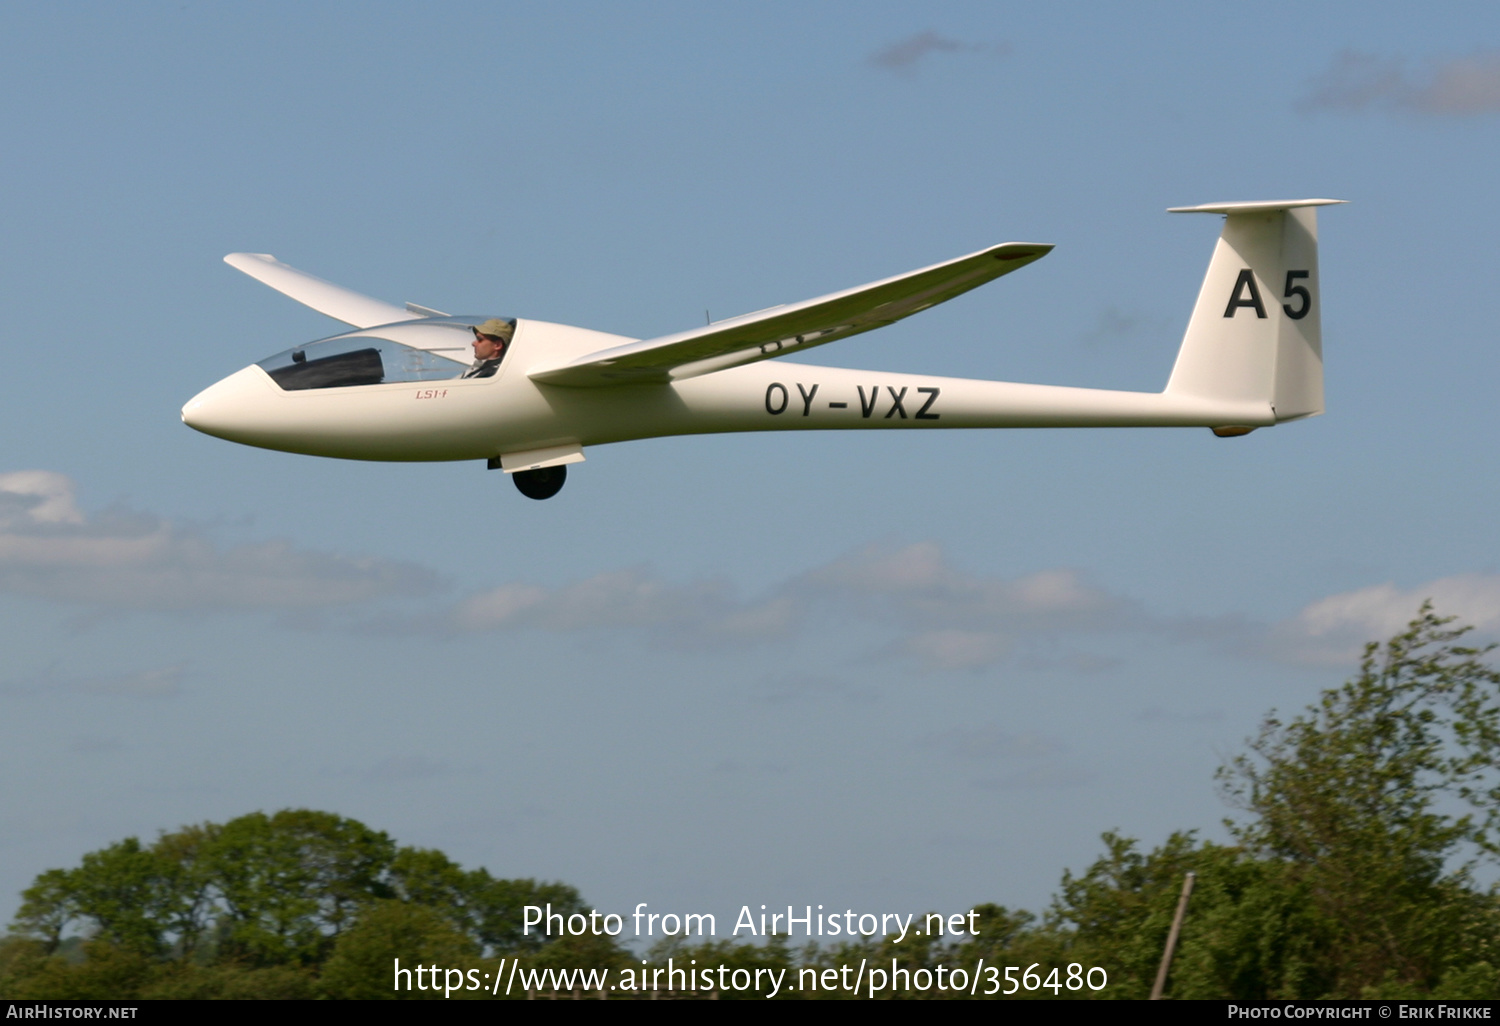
(1256, 332)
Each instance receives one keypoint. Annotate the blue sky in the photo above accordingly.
(884, 671)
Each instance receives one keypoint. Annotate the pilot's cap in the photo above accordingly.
(497, 328)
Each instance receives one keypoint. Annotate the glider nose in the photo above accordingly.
(232, 409)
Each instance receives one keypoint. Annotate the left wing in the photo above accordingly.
(337, 302)
(781, 329)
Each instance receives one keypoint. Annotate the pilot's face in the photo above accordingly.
(487, 347)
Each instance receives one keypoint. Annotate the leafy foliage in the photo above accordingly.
(298, 903)
(362, 966)
(1377, 802)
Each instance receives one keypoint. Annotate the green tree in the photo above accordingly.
(289, 883)
(1248, 933)
(496, 911)
(191, 910)
(1378, 800)
(231, 982)
(106, 971)
(486, 908)
(363, 962)
(125, 892)
(1116, 914)
(47, 909)
(259, 906)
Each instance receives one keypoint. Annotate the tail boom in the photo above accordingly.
(792, 397)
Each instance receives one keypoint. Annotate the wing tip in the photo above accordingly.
(1021, 250)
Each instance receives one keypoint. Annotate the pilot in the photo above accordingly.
(490, 340)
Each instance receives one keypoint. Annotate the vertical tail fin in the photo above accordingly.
(1256, 331)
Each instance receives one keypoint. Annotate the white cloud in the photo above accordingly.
(936, 616)
(932, 614)
(1456, 86)
(915, 568)
(38, 497)
(941, 618)
(1334, 630)
(124, 560)
(956, 649)
(690, 615)
(916, 587)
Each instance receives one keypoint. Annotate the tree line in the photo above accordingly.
(1365, 820)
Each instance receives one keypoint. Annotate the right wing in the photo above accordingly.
(781, 329)
(323, 296)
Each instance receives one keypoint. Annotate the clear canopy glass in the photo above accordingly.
(426, 350)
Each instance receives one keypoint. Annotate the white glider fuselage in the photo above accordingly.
(394, 389)
(479, 418)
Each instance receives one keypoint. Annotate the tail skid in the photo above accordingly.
(1256, 330)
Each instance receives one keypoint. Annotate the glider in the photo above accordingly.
(395, 388)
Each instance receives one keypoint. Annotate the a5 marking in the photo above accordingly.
(1247, 293)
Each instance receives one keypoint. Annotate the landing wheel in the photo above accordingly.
(542, 483)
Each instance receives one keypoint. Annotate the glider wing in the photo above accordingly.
(784, 329)
(323, 296)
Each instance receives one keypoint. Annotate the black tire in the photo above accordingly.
(542, 483)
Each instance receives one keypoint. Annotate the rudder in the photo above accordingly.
(1256, 330)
